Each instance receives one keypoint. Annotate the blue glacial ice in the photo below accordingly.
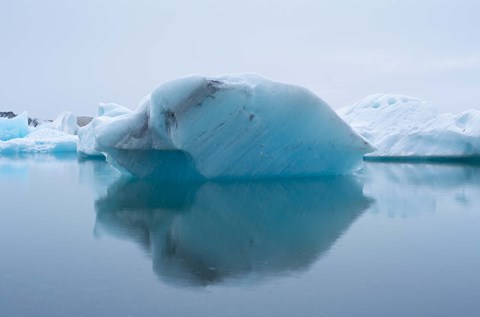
(16, 127)
(402, 127)
(16, 137)
(227, 127)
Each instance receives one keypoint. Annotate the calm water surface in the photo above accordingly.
(76, 239)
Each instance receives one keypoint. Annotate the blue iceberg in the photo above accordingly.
(237, 126)
(17, 137)
(16, 127)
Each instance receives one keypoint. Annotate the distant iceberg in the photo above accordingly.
(65, 122)
(14, 127)
(42, 140)
(87, 145)
(402, 127)
(17, 137)
(226, 127)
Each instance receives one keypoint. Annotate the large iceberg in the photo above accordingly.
(402, 127)
(228, 127)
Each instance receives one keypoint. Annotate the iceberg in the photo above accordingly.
(41, 140)
(12, 127)
(236, 126)
(407, 128)
(32, 122)
(87, 146)
(65, 122)
(17, 137)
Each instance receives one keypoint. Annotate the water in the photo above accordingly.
(76, 239)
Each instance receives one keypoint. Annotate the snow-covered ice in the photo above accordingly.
(65, 122)
(41, 140)
(409, 128)
(229, 126)
(87, 145)
(16, 137)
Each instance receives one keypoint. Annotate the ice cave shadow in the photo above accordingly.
(211, 232)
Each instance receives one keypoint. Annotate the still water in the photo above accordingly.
(76, 239)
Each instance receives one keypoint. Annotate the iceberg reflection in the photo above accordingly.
(407, 189)
(204, 233)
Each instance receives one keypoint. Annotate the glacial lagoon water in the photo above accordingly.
(76, 239)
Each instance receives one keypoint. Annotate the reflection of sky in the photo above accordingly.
(63, 54)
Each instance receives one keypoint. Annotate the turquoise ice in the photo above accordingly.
(58, 136)
(229, 127)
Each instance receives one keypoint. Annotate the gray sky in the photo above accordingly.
(69, 55)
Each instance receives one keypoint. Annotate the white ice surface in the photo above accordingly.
(41, 140)
(401, 126)
(229, 126)
(65, 122)
(87, 145)
(16, 137)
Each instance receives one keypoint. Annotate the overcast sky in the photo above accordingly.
(70, 55)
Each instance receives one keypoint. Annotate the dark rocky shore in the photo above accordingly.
(81, 121)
